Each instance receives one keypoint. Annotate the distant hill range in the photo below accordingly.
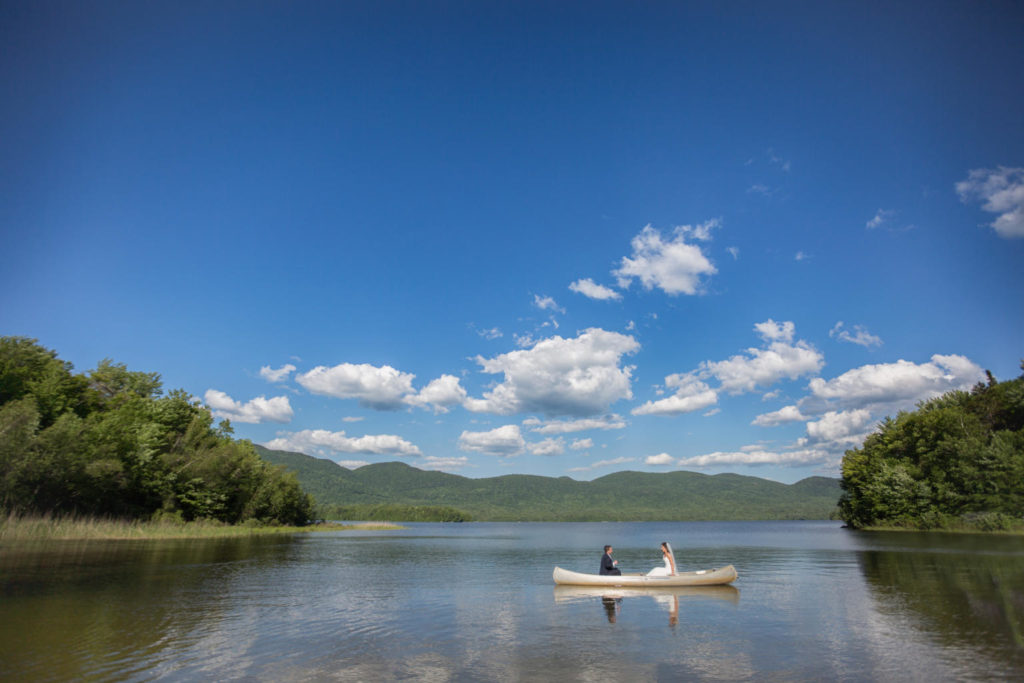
(623, 496)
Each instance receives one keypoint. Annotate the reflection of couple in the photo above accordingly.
(670, 562)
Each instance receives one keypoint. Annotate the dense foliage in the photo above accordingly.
(109, 443)
(623, 496)
(391, 512)
(958, 458)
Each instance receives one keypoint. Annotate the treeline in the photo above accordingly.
(956, 461)
(390, 512)
(622, 496)
(109, 443)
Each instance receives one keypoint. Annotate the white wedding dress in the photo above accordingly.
(670, 561)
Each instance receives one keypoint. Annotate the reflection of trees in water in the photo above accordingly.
(974, 599)
(97, 608)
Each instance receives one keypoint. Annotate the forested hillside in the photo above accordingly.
(956, 460)
(109, 443)
(623, 496)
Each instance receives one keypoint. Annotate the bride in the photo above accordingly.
(670, 562)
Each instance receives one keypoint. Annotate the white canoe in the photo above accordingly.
(704, 577)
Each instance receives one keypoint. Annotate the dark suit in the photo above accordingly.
(607, 567)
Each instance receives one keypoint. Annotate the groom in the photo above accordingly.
(608, 564)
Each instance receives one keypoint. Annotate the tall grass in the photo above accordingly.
(18, 528)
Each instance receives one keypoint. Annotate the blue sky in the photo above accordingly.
(545, 238)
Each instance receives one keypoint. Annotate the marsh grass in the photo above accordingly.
(17, 528)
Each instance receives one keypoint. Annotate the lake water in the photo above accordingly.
(476, 602)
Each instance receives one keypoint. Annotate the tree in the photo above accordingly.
(960, 454)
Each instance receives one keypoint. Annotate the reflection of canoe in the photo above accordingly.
(704, 577)
(715, 592)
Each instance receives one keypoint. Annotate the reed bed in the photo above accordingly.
(27, 528)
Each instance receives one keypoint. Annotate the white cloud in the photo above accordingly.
(549, 446)
(691, 395)
(557, 376)
(259, 409)
(568, 426)
(591, 289)
(892, 386)
(502, 441)
(380, 388)
(352, 419)
(674, 265)
(493, 333)
(780, 359)
(278, 375)
(602, 463)
(881, 217)
(757, 457)
(1002, 191)
(659, 459)
(839, 426)
(443, 464)
(441, 394)
(352, 464)
(772, 331)
(320, 440)
(734, 252)
(546, 303)
(860, 336)
(582, 444)
(801, 256)
(787, 414)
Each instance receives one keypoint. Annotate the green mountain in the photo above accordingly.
(623, 496)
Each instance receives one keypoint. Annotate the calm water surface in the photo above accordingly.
(475, 602)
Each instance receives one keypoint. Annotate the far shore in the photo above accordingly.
(18, 529)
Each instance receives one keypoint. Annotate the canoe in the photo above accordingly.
(704, 577)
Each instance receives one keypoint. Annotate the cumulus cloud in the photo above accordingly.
(781, 416)
(806, 456)
(781, 358)
(440, 394)
(352, 464)
(557, 376)
(380, 388)
(549, 446)
(321, 440)
(568, 426)
(591, 289)
(259, 409)
(546, 303)
(839, 427)
(443, 464)
(891, 386)
(1002, 192)
(502, 441)
(278, 375)
(691, 395)
(602, 463)
(860, 335)
(673, 265)
(582, 444)
(659, 459)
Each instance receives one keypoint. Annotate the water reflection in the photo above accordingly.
(965, 592)
(612, 597)
(475, 602)
(101, 609)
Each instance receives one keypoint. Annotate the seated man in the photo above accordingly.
(608, 564)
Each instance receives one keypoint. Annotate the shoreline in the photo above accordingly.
(28, 529)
